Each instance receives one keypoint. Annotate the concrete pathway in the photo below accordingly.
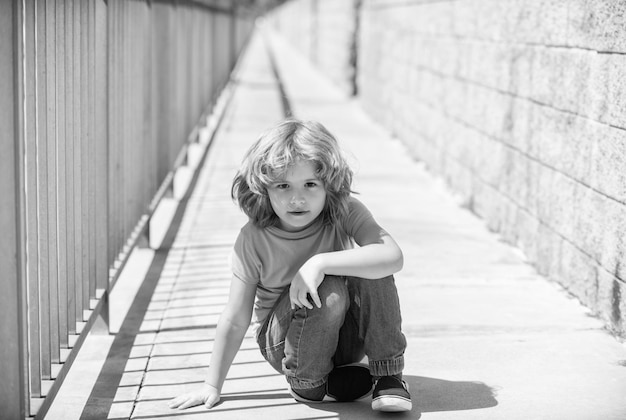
(488, 338)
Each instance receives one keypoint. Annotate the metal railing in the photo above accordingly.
(108, 97)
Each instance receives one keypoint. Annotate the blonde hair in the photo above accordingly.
(274, 152)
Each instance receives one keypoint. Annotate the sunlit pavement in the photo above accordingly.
(488, 338)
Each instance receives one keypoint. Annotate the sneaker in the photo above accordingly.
(345, 383)
(391, 395)
(349, 382)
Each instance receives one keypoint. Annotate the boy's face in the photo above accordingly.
(298, 197)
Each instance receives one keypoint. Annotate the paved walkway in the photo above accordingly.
(487, 337)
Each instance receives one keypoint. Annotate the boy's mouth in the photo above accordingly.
(298, 213)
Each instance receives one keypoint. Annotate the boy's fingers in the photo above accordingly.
(316, 299)
(176, 402)
(184, 405)
(304, 300)
(293, 299)
(294, 303)
(211, 401)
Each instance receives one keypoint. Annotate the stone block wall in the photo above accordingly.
(521, 107)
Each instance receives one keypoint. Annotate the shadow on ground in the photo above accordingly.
(428, 395)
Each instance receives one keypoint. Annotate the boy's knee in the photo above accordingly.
(334, 290)
(334, 296)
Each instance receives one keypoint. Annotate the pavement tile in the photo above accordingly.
(144, 338)
(131, 378)
(137, 364)
(150, 325)
(157, 305)
(182, 375)
(121, 410)
(193, 309)
(127, 393)
(181, 360)
(140, 352)
(189, 335)
(179, 348)
(189, 322)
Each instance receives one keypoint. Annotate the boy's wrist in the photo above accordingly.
(318, 262)
(207, 383)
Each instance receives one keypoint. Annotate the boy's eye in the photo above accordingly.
(281, 186)
(310, 184)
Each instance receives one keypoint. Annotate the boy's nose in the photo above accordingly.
(296, 201)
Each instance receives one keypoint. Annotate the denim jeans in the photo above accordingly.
(358, 317)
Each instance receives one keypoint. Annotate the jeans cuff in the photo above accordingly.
(296, 383)
(387, 367)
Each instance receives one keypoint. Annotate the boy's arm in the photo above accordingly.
(377, 256)
(231, 329)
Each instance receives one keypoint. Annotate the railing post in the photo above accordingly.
(233, 37)
(100, 283)
(13, 389)
(96, 99)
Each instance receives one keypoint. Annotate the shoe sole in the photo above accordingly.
(393, 404)
(298, 398)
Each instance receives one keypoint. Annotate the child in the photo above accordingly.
(319, 302)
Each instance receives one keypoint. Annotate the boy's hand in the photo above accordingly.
(305, 283)
(207, 395)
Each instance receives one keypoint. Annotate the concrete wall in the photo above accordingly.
(324, 31)
(521, 107)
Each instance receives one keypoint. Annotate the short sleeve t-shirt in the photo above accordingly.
(270, 257)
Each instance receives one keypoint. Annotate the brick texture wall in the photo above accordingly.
(521, 107)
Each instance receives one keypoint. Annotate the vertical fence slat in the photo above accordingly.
(121, 109)
(30, 137)
(125, 136)
(149, 174)
(121, 112)
(66, 195)
(101, 135)
(43, 206)
(133, 116)
(87, 191)
(30, 168)
(61, 133)
(209, 70)
(51, 124)
(81, 37)
(75, 294)
(113, 139)
(187, 73)
(11, 387)
(30, 146)
(174, 88)
(88, 35)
